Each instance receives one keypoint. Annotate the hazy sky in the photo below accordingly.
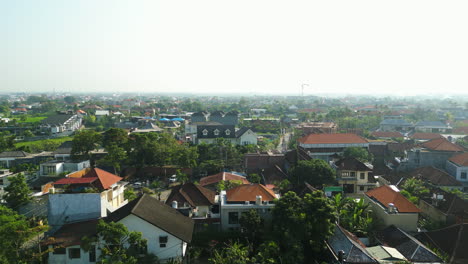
(241, 46)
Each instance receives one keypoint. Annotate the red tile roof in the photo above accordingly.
(332, 139)
(460, 159)
(249, 192)
(461, 130)
(76, 180)
(222, 176)
(105, 178)
(426, 135)
(385, 195)
(441, 144)
(386, 134)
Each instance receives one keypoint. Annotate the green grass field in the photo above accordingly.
(42, 145)
(31, 119)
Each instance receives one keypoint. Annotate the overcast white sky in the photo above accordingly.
(242, 46)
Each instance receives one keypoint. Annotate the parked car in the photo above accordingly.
(173, 178)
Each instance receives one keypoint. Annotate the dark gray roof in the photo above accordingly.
(407, 245)
(431, 124)
(400, 122)
(56, 119)
(352, 164)
(354, 251)
(158, 214)
(211, 131)
(65, 148)
(217, 113)
(241, 131)
(14, 154)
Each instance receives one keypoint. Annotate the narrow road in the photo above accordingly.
(284, 142)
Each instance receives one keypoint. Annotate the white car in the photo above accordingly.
(173, 178)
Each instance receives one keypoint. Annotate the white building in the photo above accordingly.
(457, 166)
(243, 198)
(92, 196)
(167, 232)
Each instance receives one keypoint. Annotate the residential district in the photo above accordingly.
(122, 178)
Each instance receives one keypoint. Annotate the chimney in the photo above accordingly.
(174, 204)
(258, 200)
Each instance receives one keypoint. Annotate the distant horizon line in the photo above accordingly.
(203, 94)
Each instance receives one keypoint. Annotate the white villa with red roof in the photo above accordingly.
(322, 146)
(393, 208)
(91, 196)
(243, 198)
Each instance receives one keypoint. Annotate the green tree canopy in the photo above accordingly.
(302, 225)
(119, 245)
(18, 192)
(316, 172)
(358, 153)
(15, 230)
(84, 142)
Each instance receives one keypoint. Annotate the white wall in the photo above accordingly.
(174, 247)
(249, 137)
(64, 259)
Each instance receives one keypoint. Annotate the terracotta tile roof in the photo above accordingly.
(75, 180)
(332, 139)
(195, 195)
(222, 176)
(460, 159)
(385, 195)
(420, 135)
(106, 179)
(249, 192)
(385, 134)
(461, 130)
(442, 144)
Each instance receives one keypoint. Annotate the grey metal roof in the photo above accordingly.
(431, 124)
(14, 154)
(400, 122)
(354, 252)
(56, 119)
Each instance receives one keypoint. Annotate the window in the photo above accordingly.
(92, 254)
(162, 241)
(362, 175)
(463, 175)
(205, 132)
(361, 188)
(215, 209)
(233, 218)
(353, 174)
(74, 253)
(228, 132)
(49, 170)
(216, 132)
(60, 251)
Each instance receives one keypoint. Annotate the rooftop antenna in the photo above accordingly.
(303, 86)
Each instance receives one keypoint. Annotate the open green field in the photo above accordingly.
(31, 119)
(42, 145)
